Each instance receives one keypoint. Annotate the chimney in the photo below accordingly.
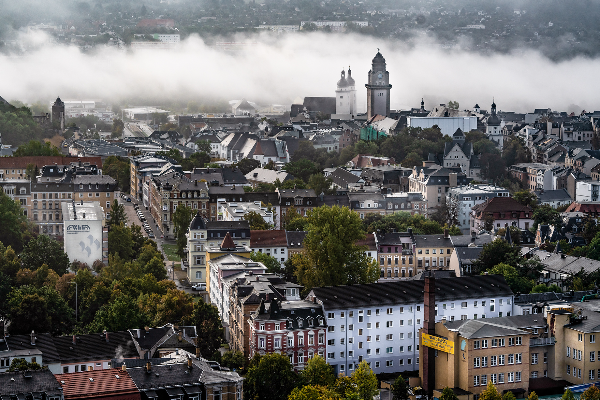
(74, 340)
(148, 367)
(429, 328)
(190, 363)
(198, 355)
(32, 338)
(179, 337)
(90, 368)
(123, 367)
(106, 335)
(147, 329)
(446, 233)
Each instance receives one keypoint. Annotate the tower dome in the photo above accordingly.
(350, 80)
(342, 82)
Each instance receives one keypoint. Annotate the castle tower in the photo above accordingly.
(378, 88)
(58, 113)
(345, 95)
(494, 127)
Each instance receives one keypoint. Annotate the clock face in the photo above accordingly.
(380, 75)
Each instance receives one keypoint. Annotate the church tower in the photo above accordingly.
(345, 95)
(58, 114)
(378, 88)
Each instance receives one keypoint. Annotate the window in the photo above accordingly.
(476, 362)
(591, 374)
(476, 344)
(389, 350)
(580, 337)
(592, 338)
(476, 380)
(493, 361)
(261, 343)
(518, 376)
(592, 356)
(277, 343)
(518, 358)
(501, 359)
(390, 311)
(484, 344)
(389, 336)
(534, 358)
(484, 362)
(568, 351)
(330, 315)
(511, 377)
(389, 324)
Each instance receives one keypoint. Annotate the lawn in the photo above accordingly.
(170, 251)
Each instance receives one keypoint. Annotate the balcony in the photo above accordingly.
(541, 342)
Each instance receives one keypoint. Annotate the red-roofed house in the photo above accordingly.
(271, 242)
(114, 384)
(496, 212)
(590, 208)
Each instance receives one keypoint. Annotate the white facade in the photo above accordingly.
(237, 211)
(83, 225)
(464, 198)
(587, 191)
(387, 336)
(448, 125)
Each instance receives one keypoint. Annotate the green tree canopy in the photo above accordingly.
(490, 393)
(517, 283)
(448, 394)
(400, 389)
(302, 169)
(317, 372)
(365, 380)
(591, 393)
(320, 184)
(12, 221)
(256, 221)
(45, 250)
(37, 148)
(208, 327)
(273, 378)
(332, 256)
(117, 214)
(118, 168)
(526, 198)
(273, 265)
(20, 364)
(496, 252)
(181, 220)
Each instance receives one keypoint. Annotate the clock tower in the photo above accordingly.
(378, 88)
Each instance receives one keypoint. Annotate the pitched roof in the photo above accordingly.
(41, 381)
(228, 243)
(402, 292)
(501, 204)
(40, 161)
(94, 347)
(97, 384)
(268, 238)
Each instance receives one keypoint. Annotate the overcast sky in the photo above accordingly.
(279, 70)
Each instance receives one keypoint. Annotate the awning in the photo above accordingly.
(174, 392)
(194, 389)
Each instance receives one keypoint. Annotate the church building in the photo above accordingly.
(378, 88)
(345, 102)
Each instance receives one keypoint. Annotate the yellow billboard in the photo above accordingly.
(438, 343)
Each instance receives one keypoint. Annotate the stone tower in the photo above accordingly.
(58, 114)
(345, 95)
(378, 88)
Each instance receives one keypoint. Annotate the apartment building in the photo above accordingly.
(380, 322)
(464, 198)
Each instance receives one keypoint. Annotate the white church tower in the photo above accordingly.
(345, 97)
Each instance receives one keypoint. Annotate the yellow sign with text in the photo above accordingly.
(438, 343)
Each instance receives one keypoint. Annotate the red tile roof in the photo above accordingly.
(40, 161)
(228, 243)
(501, 204)
(272, 238)
(584, 207)
(369, 241)
(105, 384)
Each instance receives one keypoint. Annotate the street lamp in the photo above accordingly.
(75, 282)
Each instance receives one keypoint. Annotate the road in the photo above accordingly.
(137, 129)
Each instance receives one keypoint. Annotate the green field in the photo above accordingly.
(170, 251)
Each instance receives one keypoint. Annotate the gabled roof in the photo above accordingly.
(43, 342)
(41, 381)
(268, 238)
(228, 243)
(97, 384)
(94, 347)
(501, 204)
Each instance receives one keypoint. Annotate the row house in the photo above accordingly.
(170, 190)
(582, 160)
(463, 198)
(266, 199)
(302, 200)
(434, 182)
(412, 203)
(297, 329)
(380, 322)
(271, 242)
(498, 212)
(203, 235)
(141, 170)
(218, 195)
(247, 293)
(590, 208)
(267, 150)
(16, 167)
(18, 190)
(527, 173)
(367, 203)
(391, 177)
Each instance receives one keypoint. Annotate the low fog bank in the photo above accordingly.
(281, 69)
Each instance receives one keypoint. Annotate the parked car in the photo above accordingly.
(199, 286)
(151, 235)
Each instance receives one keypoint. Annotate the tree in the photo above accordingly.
(12, 221)
(317, 372)
(256, 221)
(332, 257)
(117, 128)
(20, 364)
(568, 395)
(273, 265)
(400, 389)
(182, 217)
(246, 165)
(508, 396)
(448, 394)
(204, 146)
(490, 393)
(534, 396)
(45, 250)
(208, 327)
(120, 314)
(32, 171)
(365, 380)
(117, 214)
(301, 169)
(233, 360)
(313, 392)
(517, 283)
(546, 215)
(453, 104)
(591, 393)
(36, 148)
(120, 242)
(320, 184)
(41, 309)
(273, 378)
(118, 168)
(526, 198)
(496, 252)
